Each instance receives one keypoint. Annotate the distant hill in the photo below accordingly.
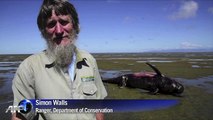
(183, 50)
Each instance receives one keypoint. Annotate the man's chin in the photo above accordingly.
(65, 42)
(63, 54)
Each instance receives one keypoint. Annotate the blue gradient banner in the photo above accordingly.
(107, 105)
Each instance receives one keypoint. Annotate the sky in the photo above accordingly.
(114, 25)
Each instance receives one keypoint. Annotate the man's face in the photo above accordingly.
(59, 29)
(60, 36)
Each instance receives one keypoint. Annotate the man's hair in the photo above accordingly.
(61, 7)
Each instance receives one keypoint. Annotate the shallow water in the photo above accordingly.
(7, 72)
(10, 63)
(113, 73)
(203, 82)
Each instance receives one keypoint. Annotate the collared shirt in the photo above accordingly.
(72, 67)
(38, 78)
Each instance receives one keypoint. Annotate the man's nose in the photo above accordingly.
(59, 31)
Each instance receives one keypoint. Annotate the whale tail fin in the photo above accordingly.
(154, 68)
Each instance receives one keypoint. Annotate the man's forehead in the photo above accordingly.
(55, 16)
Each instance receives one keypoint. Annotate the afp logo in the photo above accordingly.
(24, 106)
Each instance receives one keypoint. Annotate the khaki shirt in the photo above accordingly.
(38, 78)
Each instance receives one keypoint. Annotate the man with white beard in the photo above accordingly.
(62, 71)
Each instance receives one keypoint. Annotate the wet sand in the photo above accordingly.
(127, 63)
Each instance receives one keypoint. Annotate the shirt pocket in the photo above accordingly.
(89, 90)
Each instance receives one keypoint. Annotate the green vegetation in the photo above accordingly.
(196, 104)
(179, 65)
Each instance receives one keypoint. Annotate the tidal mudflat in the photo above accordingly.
(194, 70)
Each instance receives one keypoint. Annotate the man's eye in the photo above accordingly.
(51, 24)
(63, 22)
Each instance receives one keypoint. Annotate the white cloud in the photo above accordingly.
(187, 10)
(210, 10)
(188, 45)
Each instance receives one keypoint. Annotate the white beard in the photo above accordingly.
(63, 55)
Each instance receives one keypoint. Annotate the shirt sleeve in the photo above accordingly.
(22, 85)
(101, 92)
